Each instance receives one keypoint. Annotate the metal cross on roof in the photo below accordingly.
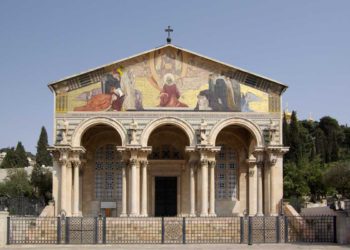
(169, 29)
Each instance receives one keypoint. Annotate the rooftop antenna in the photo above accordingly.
(169, 29)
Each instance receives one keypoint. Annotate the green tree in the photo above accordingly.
(295, 147)
(294, 182)
(16, 184)
(21, 156)
(41, 180)
(313, 172)
(338, 176)
(333, 135)
(43, 156)
(320, 144)
(285, 130)
(10, 160)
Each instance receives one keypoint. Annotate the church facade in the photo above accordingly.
(167, 132)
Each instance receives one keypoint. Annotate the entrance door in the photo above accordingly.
(165, 196)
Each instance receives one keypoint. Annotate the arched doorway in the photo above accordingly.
(101, 178)
(231, 170)
(167, 170)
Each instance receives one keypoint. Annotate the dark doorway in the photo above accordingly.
(166, 196)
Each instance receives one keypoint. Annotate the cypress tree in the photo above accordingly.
(10, 160)
(21, 156)
(43, 156)
(295, 151)
(320, 144)
(332, 133)
(285, 131)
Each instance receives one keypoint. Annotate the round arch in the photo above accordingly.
(168, 121)
(85, 125)
(245, 123)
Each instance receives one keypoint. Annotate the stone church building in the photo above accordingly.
(167, 132)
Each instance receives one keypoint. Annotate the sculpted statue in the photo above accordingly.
(64, 131)
(203, 135)
(133, 130)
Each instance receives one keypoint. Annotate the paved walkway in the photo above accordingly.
(186, 247)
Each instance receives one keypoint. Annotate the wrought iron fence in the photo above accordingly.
(21, 205)
(170, 230)
(311, 229)
(214, 230)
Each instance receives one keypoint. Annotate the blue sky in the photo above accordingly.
(304, 44)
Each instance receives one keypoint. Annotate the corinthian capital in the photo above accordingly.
(204, 162)
(133, 161)
(272, 158)
(144, 163)
(212, 163)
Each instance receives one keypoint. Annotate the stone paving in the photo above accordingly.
(187, 246)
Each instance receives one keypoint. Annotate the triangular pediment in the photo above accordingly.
(167, 77)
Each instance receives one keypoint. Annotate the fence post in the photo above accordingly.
(264, 229)
(250, 242)
(278, 230)
(58, 230)
(184, 230)
(335, 229)
(104, 230)
(286, 229)
(8, 231)
(67, 229)
(163, 230)
(96, 230)
(242, 229)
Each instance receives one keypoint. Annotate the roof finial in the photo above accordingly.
(169, 29)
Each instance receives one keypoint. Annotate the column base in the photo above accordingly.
(203, 215)
(192, 215)
(123, 215)
(143, 215)
(134, 215)
(273, 214)
(212, 215)
(259, 214)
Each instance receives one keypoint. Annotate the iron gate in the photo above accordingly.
(170, 230)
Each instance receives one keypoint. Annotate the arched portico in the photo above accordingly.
(167, 171)
(177, 122)
(241, 122)
(241, 139)
(89, 123)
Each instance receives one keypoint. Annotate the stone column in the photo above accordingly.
(124, 198)
(212, 189)
(134, 193)
(192, 192)
(144, 189)
(266, 189)
(260, 189)
(273, 205)
(76, 189)
(252, 172)
(69, 182)
(204, 191)
(63, 199)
